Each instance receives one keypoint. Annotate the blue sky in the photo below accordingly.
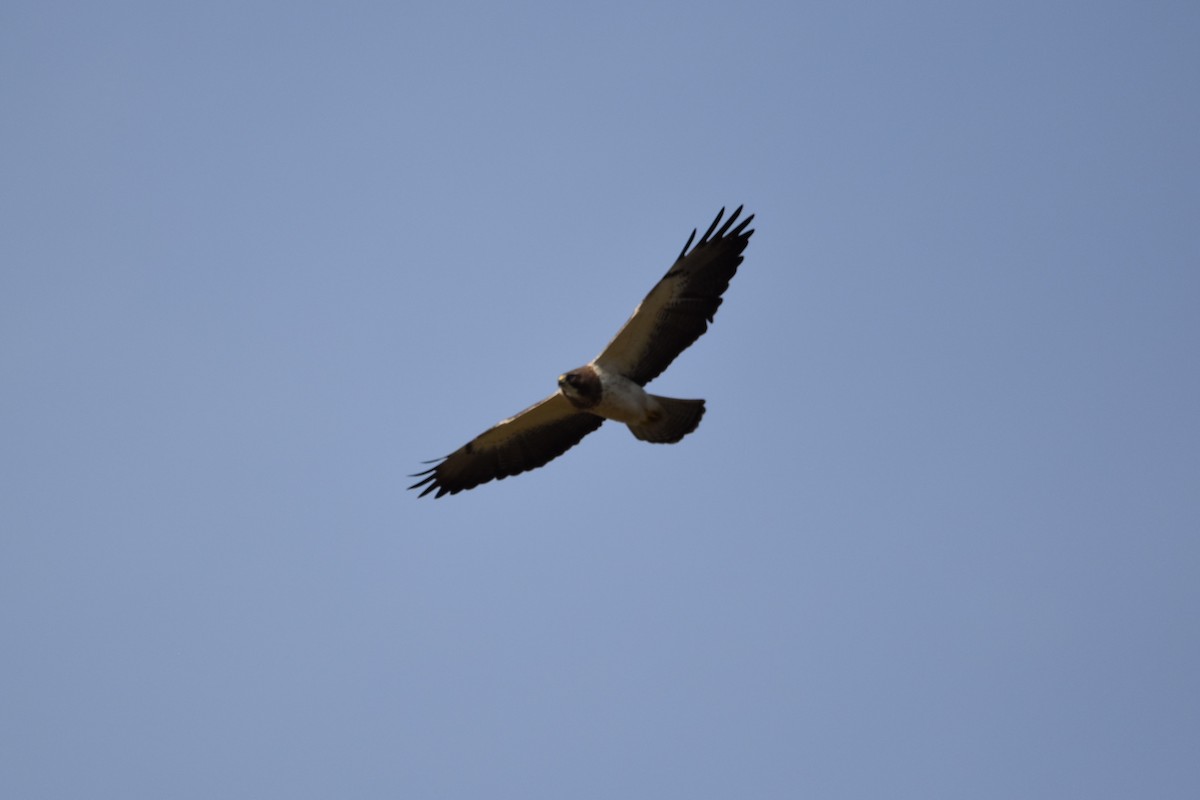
(936, 536)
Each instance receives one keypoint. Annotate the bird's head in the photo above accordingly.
(580, 386)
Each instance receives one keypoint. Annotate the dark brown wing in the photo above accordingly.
(678, 309)
(526, 441)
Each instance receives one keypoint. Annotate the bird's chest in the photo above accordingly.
(621, 399)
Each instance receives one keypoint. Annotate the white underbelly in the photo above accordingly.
(621, 399)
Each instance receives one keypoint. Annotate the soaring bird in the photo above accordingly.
(675, 313)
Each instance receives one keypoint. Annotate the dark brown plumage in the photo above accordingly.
(526, 441)
(679, 308)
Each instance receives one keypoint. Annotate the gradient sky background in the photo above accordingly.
(938, 535)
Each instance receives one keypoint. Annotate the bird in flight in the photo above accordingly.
(674, 314)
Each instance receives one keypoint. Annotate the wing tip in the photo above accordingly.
(687, 244)
(432, 478)
(713, 235)
(713, 227)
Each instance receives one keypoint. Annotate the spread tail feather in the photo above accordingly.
(676, 419)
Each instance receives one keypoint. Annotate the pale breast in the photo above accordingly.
(622, 399)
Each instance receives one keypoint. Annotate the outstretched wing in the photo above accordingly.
(526, 441)
(678, 309)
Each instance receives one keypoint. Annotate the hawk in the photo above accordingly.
(674, 314)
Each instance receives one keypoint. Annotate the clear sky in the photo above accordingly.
(938, 535)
